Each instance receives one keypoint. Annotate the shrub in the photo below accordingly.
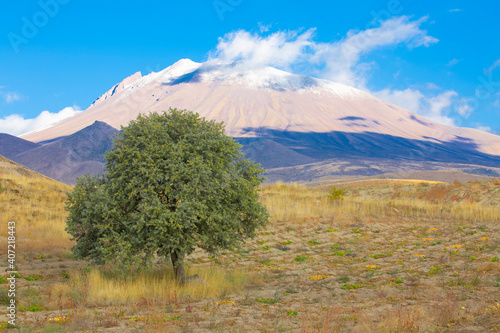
(336, 194)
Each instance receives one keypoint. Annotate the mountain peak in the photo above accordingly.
(185, 63)
(124, 84)
(97, 128)
(246, 75)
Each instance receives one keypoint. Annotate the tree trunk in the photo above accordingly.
(180, 275)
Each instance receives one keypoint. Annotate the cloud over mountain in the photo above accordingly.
(338, 61)
(341, 60)
(17, 125)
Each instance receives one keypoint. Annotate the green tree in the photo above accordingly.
(174, 182)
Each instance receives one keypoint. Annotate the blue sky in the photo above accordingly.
(440, 59)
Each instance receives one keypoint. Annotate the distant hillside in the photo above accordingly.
(11, 146)
(339, 170)
(71, 156)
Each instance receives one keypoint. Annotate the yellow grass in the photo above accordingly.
(100, 287)
(37, 207)
(293, 202)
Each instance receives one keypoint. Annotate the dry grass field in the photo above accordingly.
(36, 204)
(384, 256)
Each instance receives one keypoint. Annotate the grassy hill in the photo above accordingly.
(36, 204)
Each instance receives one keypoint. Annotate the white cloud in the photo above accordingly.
(464, 107)
(435, 108)
(432, 86)
(16, 125)
(453, 62)
(339, 61)
(438, 107)
(281, 49)
(11, 97)
(408, 99)
(455, 10)
(264, 27)
(483, 128)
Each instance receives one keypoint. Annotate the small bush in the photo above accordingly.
(433, 270)
(351, 286)
(269, 301)
(336, 194)
(301, 258)
(34, 277)
(31, 308)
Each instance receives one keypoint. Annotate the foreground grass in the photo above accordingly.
(409, 258)
(105, 288)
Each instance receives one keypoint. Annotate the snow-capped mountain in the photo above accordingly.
(256, 99)
(300, 127)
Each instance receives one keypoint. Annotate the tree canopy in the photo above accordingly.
(174, 182)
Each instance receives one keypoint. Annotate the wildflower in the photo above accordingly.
(58, 319)
(320, 277)
(226, 301)
(456, 246)
(419, 255)
(372, 267)
(485, 238)
(432, 229)
(428, 239)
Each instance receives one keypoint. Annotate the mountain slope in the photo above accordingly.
(11, 146)
(272, 155)
(71, 156)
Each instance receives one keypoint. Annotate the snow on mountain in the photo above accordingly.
(253, 100)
